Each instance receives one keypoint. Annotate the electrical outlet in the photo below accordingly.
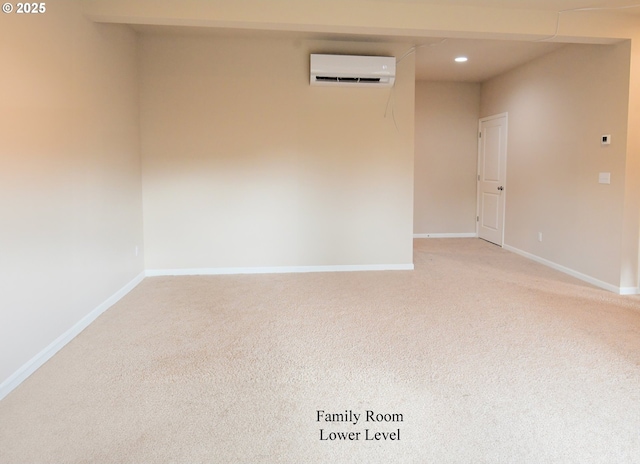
(539, 236)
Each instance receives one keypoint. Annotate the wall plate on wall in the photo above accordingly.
(605, 139)
(604, 178)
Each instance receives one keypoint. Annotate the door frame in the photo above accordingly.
(504, 115)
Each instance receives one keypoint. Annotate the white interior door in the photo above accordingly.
(492, 173)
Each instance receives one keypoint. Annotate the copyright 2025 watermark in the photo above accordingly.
(24, 8)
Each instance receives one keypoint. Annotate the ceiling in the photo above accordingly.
(435, 56)
(487, 58)
(547, 5)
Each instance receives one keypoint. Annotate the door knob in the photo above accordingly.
(501, 188)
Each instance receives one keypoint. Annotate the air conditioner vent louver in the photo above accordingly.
(350, 80)
(351, 70)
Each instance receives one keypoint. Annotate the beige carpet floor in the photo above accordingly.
(477, 356)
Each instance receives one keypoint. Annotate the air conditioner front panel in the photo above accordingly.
(352, 70)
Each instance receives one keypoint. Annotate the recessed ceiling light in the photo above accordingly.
(461, 59)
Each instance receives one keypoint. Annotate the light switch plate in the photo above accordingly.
(604, 178)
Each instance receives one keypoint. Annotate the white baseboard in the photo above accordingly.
(454, 235)
(38, 360)
(576, 274)
(629, 291)
(277, 270)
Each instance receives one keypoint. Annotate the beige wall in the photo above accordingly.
(630, 246)
(559, 106)
(246, 165)
(70, 214)
(446, 153)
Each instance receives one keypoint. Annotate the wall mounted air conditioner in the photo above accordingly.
(353, 71)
